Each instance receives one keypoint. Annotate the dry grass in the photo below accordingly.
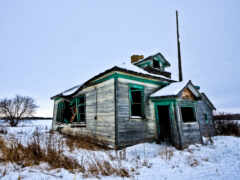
(83, 142)
(167, 153)
(97, 167)
(50, 150)
(33, 153)
(192, 161)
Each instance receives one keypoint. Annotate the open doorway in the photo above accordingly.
(164, 124)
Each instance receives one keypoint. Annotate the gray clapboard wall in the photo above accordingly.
(189, 132)
(206, 128)
(134, 130)
(100, 113)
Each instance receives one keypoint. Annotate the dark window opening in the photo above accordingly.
(156, 64)
(188, 114)
(136, 98)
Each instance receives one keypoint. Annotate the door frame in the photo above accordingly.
(171, 115)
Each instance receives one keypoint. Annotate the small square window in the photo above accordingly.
(188, 114)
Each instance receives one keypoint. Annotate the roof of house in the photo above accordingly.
(174, 89)
(170, 90)
(208, 101)
(131, 69)
(152, 56)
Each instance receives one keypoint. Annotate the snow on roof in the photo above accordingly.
(125, 65)
(71, 90)
(129, 66)
(170, 90)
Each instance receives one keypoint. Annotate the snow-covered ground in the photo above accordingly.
(220, 160)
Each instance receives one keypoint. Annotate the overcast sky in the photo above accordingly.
(49, 46)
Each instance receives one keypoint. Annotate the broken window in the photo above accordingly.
(81, 109)
(136, 99)
(188, 114)
(78, 112)
(156, 64)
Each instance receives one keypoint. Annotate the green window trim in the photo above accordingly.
(81, 104)
(171, 105)
(136, 88)
(60, 112)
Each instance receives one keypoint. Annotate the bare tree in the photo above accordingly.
(17, 108)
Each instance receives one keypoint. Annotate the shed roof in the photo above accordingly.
(174, 89)
(170, 90)
(207, 100)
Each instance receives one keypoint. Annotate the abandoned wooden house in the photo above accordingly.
(123, 107)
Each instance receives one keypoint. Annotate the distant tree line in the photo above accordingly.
(226, 116)
(31, 118)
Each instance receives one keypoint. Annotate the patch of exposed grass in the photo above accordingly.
(83, 142)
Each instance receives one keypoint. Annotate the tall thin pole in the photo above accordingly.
(179, 51)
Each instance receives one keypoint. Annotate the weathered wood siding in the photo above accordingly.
(190, 132)
(207, 129)
(134, 130)
(100, 113)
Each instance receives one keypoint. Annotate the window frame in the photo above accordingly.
(141, 89)
(78, 104)
(194, 113)
(60, 112)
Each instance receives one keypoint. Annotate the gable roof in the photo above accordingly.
(174, 89)
(74, 90)
(165, 61)
(207, 100)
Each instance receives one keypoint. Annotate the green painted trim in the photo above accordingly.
(170, 104)
(156, 100)
(57, 98)
(129, 77)
(79, 115)
(144, 63)
(136, 86)
(141, 89)
(114, 75)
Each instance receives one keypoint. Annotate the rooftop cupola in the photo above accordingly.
(155, 64)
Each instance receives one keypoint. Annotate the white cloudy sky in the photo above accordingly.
(49, 46)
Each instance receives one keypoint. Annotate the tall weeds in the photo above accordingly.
(49, 148)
